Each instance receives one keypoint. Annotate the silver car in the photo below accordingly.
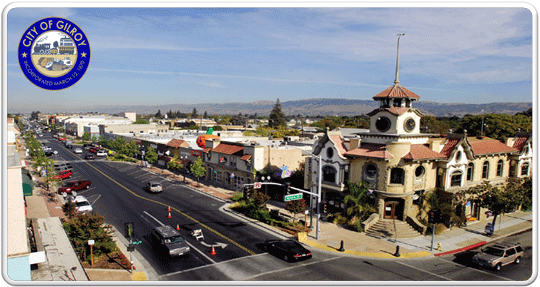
(170, 240)
(153, 186)
(499, 255)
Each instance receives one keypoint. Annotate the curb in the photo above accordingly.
(461, 249)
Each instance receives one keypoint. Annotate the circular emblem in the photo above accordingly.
(54, 53)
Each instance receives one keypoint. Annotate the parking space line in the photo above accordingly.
(135, 171)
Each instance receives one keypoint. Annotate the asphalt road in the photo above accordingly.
(117, 193)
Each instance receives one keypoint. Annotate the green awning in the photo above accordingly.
(28, 185)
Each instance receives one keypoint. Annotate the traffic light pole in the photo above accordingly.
(432, 235)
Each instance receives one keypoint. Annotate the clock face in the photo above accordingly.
(409, 125)
(383, 124)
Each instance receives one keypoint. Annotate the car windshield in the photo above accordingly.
(82, 203)
(69, 184)
(174, 239)
(494, 251)
(155, 185)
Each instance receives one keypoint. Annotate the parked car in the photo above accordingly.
(50, 152)
(170, 240)
(101, 153)
(63, 166)
(289, 250)
(71, 186)
(78, 150)
(94, 149)
(499, 255)
(64, 174)
(89, 156)
(82, 205)
(153, 186)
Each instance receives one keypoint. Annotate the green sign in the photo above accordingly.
(292, 197)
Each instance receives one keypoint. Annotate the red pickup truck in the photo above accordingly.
(71, 186)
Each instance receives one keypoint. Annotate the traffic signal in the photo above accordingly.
(287, 187)
(128, 229)
(324, 208)
(438, 216)
(431, 216)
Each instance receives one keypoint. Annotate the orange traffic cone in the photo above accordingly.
(169, 209)
(177, 227)
(169, 215)
(213, 251)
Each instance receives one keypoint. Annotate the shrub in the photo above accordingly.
(237, 196)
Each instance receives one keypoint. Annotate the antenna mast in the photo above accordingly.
(396, 81)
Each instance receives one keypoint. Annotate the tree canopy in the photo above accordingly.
(277, 118)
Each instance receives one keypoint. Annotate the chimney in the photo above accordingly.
(435, 144)
(212, 143)
(354, 143)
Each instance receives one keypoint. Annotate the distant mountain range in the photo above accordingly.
(322, 107)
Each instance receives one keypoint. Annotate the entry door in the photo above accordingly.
(390, 209)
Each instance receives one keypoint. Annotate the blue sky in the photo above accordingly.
(155, 56)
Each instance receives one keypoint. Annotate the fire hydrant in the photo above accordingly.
(439, 246)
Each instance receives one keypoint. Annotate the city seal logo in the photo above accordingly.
(54, 53)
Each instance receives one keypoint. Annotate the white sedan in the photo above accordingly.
(101, 153)
(78, 150)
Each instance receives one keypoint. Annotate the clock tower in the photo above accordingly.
(395, 115)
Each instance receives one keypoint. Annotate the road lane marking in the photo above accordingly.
(190, 245)
(478, 270)
(177, 210)
(422, 270)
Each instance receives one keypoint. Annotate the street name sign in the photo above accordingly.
(292, 197)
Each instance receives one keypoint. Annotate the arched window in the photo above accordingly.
(525, 169)
(500, 166)
(329, 174)
(470, 172)
(456, 178)
(397, 175)
(485, 170)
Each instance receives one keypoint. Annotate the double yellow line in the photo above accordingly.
(172, 208)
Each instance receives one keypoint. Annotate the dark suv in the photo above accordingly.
(170, 240)
(499, 255)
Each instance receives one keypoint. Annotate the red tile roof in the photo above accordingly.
(489, 146)
(396, 91)
(520, 143)
(420, 151)
(176, 143)
(246, 157)
(371, 150)
(339, 144)
(229, 149)
(449, 146)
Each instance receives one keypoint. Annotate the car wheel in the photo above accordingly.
(518, 260)
(74, 193)
(286, 258)
(498, 267)
(64, 194)
(88, 186)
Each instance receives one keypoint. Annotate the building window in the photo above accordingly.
(485, 170)
(370, 173)
(456, 178)
(329, 174)
(500, 165)
(329, 152)
(470, 171)
(419, 172)
(525, 169)
(458, 155)
(397, 175)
